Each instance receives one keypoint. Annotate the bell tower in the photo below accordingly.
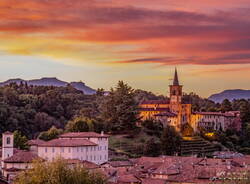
(7, 145)
(175, 90)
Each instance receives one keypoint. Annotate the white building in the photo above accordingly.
(81, 147)
(88, 146)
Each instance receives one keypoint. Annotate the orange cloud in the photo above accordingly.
(127, 31)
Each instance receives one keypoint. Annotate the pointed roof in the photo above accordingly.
(176, 80)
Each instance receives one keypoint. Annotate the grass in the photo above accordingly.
(130, 146)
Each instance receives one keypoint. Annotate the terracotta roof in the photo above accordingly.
(153, 181)
(155, 102)
(83, 135)
(35, 142)
(85, 163)
(22, 157)
(13, 169)
(210, 113)
(154, 109)
(128, 178)
(67, 143)
(120, 163)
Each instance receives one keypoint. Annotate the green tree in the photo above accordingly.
(152, 127)
(170, 141)
(152, 148)
(119, 110)
(20, 141)
(52, 133)
(58, 172)
(226, 105)
(79, 124)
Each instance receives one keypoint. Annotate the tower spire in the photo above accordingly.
(176, 81)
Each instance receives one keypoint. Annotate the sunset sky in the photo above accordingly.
(138, 41)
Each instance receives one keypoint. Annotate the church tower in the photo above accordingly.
(7, 145)
(175, 90)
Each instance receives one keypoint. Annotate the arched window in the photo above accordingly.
(8, 140)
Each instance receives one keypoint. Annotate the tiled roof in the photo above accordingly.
(85, 163)
(22, 157)
(83, 135)
(154, 109)
(120, 163)
(35, 142)
(155, 102)
(128, 178)
(153, 181)
(67, 143)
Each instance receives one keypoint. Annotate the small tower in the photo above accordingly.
(7, 145)
(175, 90)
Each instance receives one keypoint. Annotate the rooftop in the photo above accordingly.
(67, 143)
(83, 135)
(22, 157)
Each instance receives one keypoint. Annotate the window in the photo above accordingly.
(53, 150)
(8, 140)
(62, 149)
(69, 150)
(46, 150)
(86, 149)
(77, 149)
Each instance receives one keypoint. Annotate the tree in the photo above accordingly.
(79, 124)
(226, 105)
(119, 110)
(20, 141)
(170, 141)
(152, 148)
(58, 172)
(153, 127)
(52, 133)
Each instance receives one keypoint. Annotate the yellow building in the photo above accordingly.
(173, 112)
(176, 113)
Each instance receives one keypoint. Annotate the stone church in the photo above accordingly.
(176, 113)
(172, 111)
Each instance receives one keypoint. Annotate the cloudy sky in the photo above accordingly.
(138, 41)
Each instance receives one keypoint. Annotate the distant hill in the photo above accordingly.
(52, 81)
(230, 95)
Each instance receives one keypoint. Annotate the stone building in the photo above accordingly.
(173, 111)
(176, 113)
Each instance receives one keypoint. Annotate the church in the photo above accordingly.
(176, 113)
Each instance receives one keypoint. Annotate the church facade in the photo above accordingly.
(176, 113)
(173, 111)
